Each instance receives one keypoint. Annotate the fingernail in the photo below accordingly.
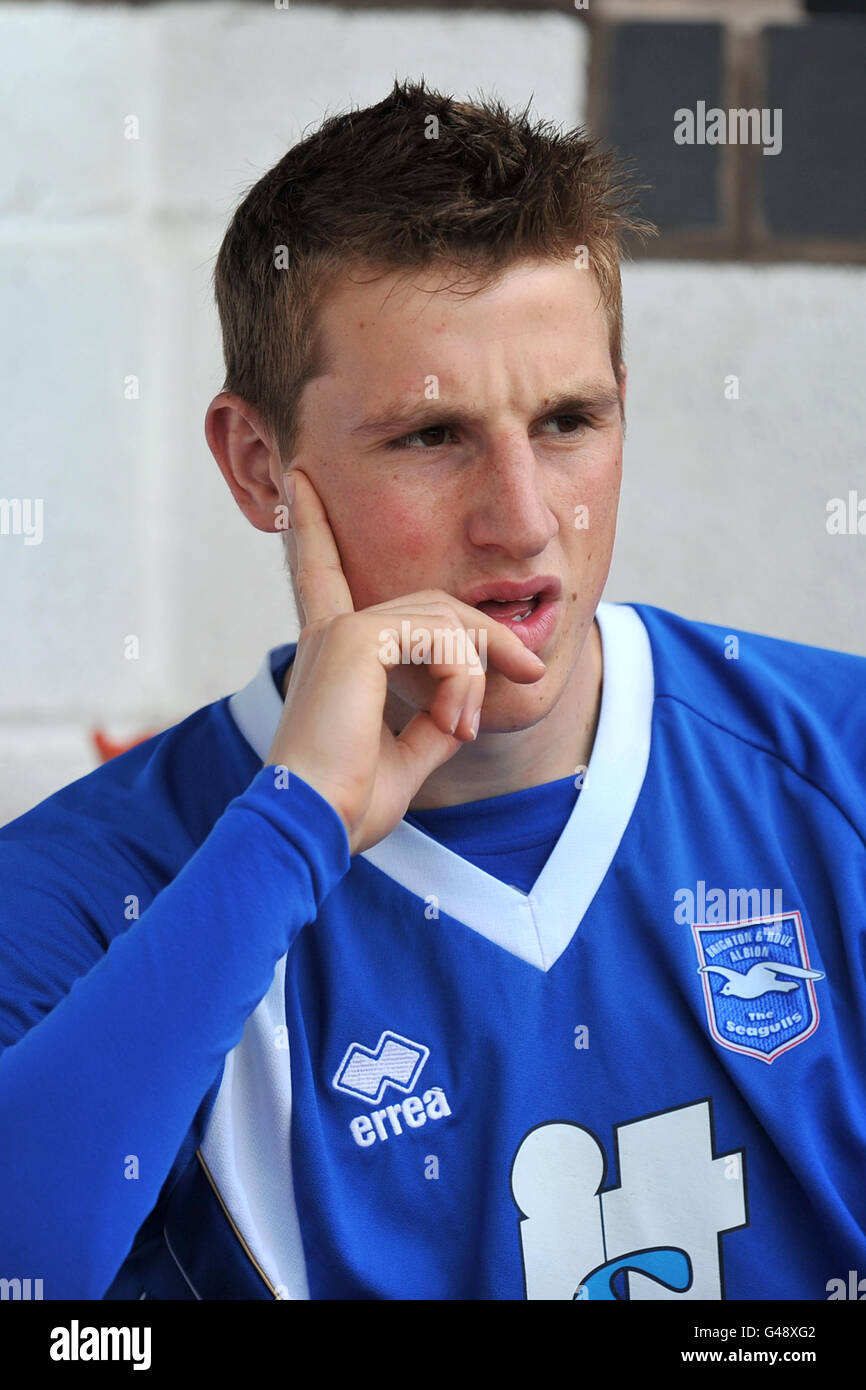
(476, 720)
(290, 488)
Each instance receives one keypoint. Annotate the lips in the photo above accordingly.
(505, 612)
(542, 588)
(530, 607)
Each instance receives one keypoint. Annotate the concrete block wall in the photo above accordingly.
(111, 355)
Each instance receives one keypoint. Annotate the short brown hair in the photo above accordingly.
(416, 180)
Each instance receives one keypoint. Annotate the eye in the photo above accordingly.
(402, 443)
(577, 421)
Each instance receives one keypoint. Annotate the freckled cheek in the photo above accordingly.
(587, 530)
(388, 551)
(599, 494)
(412, 536)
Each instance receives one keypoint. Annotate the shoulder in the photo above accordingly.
(149, 808)
(712, 659)
(805, 705)
(83, 864)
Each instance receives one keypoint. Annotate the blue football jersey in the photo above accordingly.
(634, 1071)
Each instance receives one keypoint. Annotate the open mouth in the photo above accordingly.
(531, 607)
(514, 610)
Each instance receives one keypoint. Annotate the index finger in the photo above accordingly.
(320, 583)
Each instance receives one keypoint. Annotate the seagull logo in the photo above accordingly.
(761, 979)
(766, 1001)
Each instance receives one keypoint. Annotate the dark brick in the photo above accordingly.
(652, 71)
(815, 186)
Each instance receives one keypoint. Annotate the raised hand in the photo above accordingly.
(332, 732)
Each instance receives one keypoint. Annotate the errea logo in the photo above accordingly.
(414, 1112)
(368, 1072)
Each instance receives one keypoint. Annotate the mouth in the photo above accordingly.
(516, 611)
(530, 607)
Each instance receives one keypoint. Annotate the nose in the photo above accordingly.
(509, 509)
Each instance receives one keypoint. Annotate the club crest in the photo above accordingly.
(759, 987)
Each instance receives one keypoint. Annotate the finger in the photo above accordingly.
(499, 645)
(492, 641)
(320, 583)
(419, 647)
(412, 639)
(452, 697)
(422, 747)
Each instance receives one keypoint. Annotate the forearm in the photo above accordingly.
(118, 1069)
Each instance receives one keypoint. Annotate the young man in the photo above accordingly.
(494, 942)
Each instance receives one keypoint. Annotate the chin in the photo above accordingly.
(509, 707)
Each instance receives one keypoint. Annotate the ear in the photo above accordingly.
(621, 376)
(247, 458)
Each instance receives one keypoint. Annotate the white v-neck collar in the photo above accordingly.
(538, 926)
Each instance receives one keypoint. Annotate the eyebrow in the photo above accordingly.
(589, 399)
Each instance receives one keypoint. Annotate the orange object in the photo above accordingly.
(107, 748)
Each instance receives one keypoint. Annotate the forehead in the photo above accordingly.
(369, 321)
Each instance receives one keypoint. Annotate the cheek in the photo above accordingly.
(387, 548)
(411, 535)
(598, 493)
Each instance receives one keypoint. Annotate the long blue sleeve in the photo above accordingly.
(119, 1066)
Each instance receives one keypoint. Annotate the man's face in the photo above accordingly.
(484, 467)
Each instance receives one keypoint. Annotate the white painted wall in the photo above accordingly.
(108, 248)
(723, 515)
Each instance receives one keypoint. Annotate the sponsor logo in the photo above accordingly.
(582, 1239)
